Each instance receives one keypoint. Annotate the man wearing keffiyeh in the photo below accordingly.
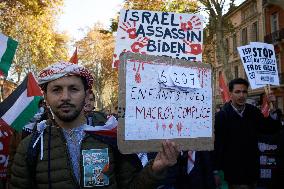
(69, 154)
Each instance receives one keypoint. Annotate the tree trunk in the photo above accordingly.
(221, 51)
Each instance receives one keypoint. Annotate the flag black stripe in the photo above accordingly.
(12, 98)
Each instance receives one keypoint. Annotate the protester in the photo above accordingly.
(193, 170)
(115, 113)
(90, 103)
(279, 140)
(69, 157)
(94, 118)
(237, 126)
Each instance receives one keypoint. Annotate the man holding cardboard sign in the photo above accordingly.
(237, 126)
(66, 154)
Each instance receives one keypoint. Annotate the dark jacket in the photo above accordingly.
(124, 171)
(200, 177)
(236, 142)
(278, 139)
(96, 118)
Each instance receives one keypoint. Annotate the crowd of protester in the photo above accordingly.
(68, 109)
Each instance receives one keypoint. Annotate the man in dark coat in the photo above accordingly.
(68, 155)
(193, 171)
(94, 118)
(237, 126)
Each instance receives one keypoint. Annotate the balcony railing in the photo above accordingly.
(272, 2)
(275, 36)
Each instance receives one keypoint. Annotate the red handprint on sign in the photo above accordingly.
(134, 67)
(115, 61)
(195, 49)
(137, 75)
(179, 128)
(131, 30)
(171, 126)
(157, 126)
(139, 44)
(202, 74)
(164, 126)
(193, 23)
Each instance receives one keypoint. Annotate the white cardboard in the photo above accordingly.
(156, 113)
(265, 66)
(159, 33)
(245, 53)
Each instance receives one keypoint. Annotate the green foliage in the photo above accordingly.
(182, 6)
(218, 28)
(179, 6)
(32, 24)
(114, 24)
(95, 53)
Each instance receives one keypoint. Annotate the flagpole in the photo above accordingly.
(267, 91)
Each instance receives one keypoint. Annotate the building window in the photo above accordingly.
(254, 32)
(244, 36)
(236, 71)
(274, 22)
(250, 11)
(235, 44)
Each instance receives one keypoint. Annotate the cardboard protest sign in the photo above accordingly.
(169, 34)
(264, 61)
(245, 53)
(164, 98)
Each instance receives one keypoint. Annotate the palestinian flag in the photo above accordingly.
(106, 133)
(109, 129)
(18, 108)
(74, 58)
(265, 106)
(8, 48)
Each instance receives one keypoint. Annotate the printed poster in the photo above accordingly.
(96, 164)
(245, 53)
(263, 57)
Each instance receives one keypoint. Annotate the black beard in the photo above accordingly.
(68, 118)
(71, 117)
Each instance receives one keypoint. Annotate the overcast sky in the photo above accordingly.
(80, 14)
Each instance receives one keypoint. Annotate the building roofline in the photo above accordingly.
(236, 9)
